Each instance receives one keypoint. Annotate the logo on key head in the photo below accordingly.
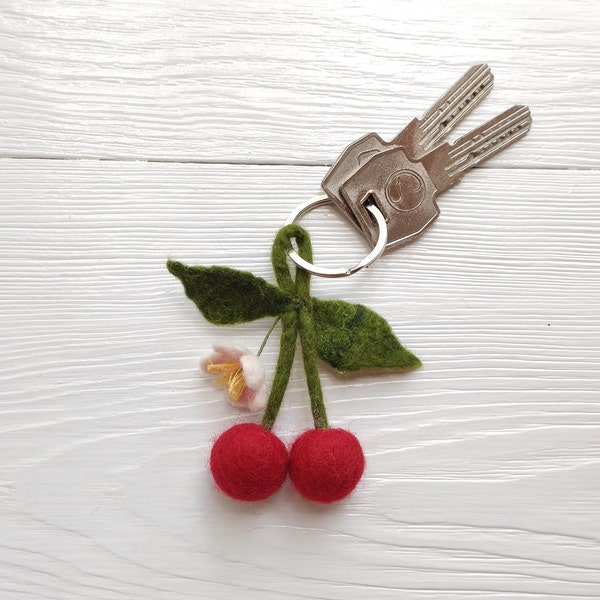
(405, 190)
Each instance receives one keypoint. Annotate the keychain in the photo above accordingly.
(388, 191)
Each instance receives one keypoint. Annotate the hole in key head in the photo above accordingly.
(371, 200)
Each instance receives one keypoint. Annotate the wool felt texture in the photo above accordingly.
(309, 356)
(241, 372)
(352, 337)
(348, 336)
(326, 464)
(294, 323)
(249, 462)
(227, 296)
(287, 349)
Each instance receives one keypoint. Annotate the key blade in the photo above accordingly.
(487, 140)
(455, 105)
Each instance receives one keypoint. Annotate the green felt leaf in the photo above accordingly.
(352, 337)
(226, 296)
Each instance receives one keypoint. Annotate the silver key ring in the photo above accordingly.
(328, 272)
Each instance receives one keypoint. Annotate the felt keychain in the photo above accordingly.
(248, 461)
(388, 191)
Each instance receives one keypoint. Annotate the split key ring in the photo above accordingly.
(330, 272)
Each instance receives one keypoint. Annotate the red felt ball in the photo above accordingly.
(248, 462)
(326, 464)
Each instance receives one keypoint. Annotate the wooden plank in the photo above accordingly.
(483, 475)
(288, 82)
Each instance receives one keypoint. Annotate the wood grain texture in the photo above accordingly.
(483, 476)
(483, 467)
(291, 82)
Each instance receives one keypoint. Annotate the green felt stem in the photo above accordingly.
(297, 319)
(300, 287)
(309, 355)
(287, 349)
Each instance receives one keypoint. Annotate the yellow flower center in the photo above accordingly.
(230, 376)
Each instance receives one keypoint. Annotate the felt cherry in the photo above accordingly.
(326, 464)
(249, 462)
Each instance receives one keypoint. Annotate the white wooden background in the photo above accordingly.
(133, 131)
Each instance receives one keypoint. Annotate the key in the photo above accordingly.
(418, 137)
(405, 188)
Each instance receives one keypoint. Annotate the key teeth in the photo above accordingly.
(460, 99)
(526, 114)
(488, 139)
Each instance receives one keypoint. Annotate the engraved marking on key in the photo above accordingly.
(438, 170)
(373, 182)
(418, 137)
(404, 190)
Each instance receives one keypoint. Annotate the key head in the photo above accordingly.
(418, 138)
(401, 188)
(349, 161)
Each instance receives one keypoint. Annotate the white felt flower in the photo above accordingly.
(241, 372)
